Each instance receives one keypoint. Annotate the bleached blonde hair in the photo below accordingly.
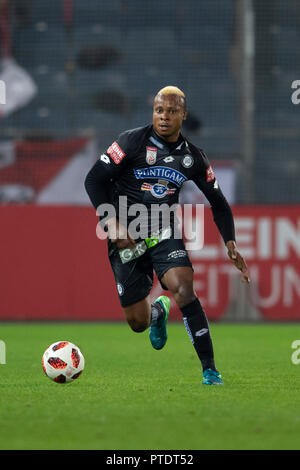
(171, 90)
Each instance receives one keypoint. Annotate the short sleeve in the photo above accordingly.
(203, 173)
(122, 150)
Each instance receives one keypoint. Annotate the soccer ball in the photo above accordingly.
(63, 362)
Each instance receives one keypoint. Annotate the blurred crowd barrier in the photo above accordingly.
(54, 267)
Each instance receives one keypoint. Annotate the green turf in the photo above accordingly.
(133, 397)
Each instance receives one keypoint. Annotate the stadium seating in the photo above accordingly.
(145, 58)
(126, 50)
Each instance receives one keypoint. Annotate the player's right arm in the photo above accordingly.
(109, 167)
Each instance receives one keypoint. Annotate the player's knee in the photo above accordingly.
(183, 293)
(137, 325)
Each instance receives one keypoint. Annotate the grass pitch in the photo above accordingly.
(133, 397)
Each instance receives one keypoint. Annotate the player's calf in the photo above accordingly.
(179, 281)
(137, 326)
(197, 327)
(138, 315)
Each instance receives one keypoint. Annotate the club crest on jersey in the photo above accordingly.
(158, 190)
(187, 161)
(151, 153)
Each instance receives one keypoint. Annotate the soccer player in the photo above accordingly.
(148, 165)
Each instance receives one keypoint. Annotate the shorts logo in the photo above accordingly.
(127, 255)
(151, 153)
(116, 153)
(120, 289)
(158, 190)
(177, 254)
(187, 161)
(209, 174)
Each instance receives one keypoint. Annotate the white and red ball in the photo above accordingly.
(63, 362)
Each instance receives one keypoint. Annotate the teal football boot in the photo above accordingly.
(158, 330)
(212, 377)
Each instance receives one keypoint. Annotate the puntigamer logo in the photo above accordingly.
(2, 92)
(161, 172)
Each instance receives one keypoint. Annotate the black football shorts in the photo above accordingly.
(134, 279)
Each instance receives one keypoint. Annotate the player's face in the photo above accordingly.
(168, 114)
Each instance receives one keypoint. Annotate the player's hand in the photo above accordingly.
(238, 260)
(119, 234)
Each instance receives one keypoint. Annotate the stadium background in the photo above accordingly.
(77, 73)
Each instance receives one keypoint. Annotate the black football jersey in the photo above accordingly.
(148, 170)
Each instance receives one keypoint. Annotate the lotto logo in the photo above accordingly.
(104, 158)
(116, 153)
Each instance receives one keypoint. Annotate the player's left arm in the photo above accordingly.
(222, 214)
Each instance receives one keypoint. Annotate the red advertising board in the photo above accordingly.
(53, 266)
(269, 239)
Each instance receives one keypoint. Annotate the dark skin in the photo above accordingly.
(168, 114)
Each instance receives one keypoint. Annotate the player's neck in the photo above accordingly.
(168, 143)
